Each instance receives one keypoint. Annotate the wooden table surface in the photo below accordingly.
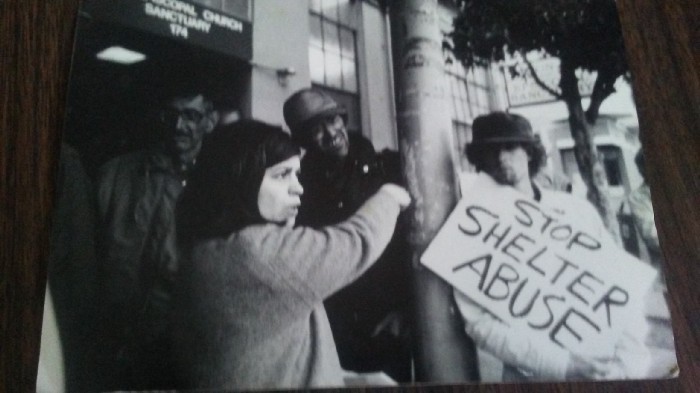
(663, 44)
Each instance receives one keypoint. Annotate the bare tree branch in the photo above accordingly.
(603, 87)
(538, 80)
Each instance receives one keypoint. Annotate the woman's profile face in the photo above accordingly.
(280, 192)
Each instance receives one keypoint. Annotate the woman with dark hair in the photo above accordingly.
(249, 313)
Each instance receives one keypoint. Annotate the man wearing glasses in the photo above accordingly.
(137, 193)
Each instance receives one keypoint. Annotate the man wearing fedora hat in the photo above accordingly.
(339, 171)
(506, 151)
(504, 147)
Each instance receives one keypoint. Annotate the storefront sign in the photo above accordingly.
(180, 20)
(523, 90)
(544, 272)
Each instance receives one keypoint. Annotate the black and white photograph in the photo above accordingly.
(275, 194)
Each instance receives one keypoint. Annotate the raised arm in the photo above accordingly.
(315, 263)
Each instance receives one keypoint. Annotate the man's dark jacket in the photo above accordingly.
(383, 292)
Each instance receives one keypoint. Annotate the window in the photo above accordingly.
(469, 94)
(462, 136)
(611, 158)
(477, 87)
(333, 54)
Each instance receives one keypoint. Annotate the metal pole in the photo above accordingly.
(443, 353)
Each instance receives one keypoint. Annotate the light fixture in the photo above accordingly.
(121, 55)
(283, 73)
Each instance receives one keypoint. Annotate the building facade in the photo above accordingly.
(256, 54)
(344, 47)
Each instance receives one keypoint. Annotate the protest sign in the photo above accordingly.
(546, 271)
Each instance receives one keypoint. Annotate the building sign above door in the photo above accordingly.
(180, 20)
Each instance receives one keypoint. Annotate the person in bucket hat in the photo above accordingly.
(339, 172)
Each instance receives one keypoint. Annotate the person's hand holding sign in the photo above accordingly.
(582, 367)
